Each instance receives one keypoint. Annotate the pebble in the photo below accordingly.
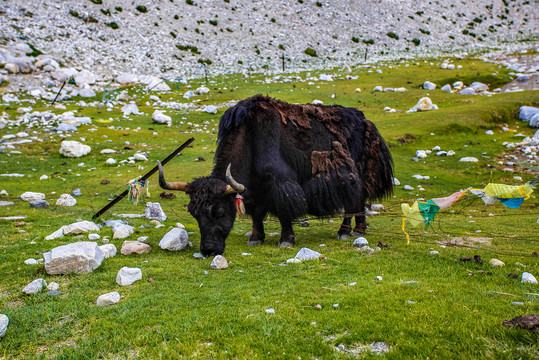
(30, 261)
(360, 242)
(270, 311)
(379, 278)
(108, 299)
(352, 283)
(127, 276)
(53, 286)
(517, 303)
(528, 278)
(35, 286)
(433, 252)
(496, 262)
(219, 263)
(4, 322)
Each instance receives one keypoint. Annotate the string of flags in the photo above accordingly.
(511, 196)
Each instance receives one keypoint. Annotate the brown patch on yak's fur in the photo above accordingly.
(325, 161)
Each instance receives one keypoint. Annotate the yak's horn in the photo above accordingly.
(166, 185)
(234, 186)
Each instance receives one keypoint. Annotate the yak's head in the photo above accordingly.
(212, 205)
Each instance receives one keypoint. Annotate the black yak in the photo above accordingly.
(288, 160)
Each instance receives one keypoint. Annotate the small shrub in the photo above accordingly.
(281, 46)
(311, 52)
(229, 30)
(392, 35)
(155, 24)
(240, 62)
(227, 1)
(411, 17)
(142, 8)
(191, 48)
(73, 13)
(355, 39)
(416, 41)
(176, 17)
(118, 8)
(105, 11)
(35, 52)
(300, 1)
(91, 19)
(173, 34)
(426, 32)
(368, 42)
(197, 31)
(189, 2)
(465, 31)
(204, 61)
(319, 4)
(419, 13)
(478, 20)
(272, 20)
(98, 2)
(451, 37)
(213, 22)
(257, 52)
(113, 25)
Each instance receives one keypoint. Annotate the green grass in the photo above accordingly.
(185, 313)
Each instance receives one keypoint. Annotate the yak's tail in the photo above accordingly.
(375, 165)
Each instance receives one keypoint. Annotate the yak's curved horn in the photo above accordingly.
(234, 186)
(166, 185)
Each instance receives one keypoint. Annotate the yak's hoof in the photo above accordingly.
(253, 242)
(343, 236)
(286, 244)
(358, 233)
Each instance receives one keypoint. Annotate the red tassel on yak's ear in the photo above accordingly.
(240, 208)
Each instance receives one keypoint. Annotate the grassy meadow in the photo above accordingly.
(425, 307)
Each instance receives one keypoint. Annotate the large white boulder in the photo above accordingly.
(127, 78)
(84, 77)
(32, 196)
(156, 84)
(74, 149)
(130, 108)
(202, 90)
(424, 104)
(80, 227)
(66, 200)
(175, 240)
(427, 85)
(79, 258)
(87, 92)
(108, 250)
(154, 211)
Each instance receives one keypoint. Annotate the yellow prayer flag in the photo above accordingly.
(509, 191)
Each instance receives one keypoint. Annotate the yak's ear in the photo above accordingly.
(166, 185)
(234, 186)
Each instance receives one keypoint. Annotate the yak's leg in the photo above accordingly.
(258, 235)
(346, 227)
(361, 221)
(288, 238)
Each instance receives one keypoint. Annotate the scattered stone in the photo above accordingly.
(160, 118)
(427, 85)
(39, 204)
(308, 254)
(468, 159)
(467, 91)
(66, 200)
(318, 307)
(293, 261)
(30, 261)
(526, 113)
(76, 192)
(79, 228)
(496, 262)
(198, 256)
(74, 149)
(108, 250)
(122, 231)
(134, 247)
(478, 87)
(175, 240)
(53, 286)
(32, 196)
(528, 322)
(219, 263)
(108, 299)
(270, 311)
(446, 88)
(4, 322)
(54, 293)
(35, 286)
(79, 258)
(424, 104)
(528, 278)
(360, 242)
(433, 252)
(93, 237)
(153, 211)
(517, 303)
(127, 276)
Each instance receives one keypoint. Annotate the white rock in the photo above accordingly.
(421, 154)
(131, 108)
(468, 159)
(66, 200)
(433, 252)
(4, 322)
(43, 177)
(30, 261)
(293, 261)
(360, 242)
(210, 109)
(108, 299)
(108, 250)
(528, 278)
(80, 227)
(189, 94)
(496, 262)
(219, 263)
(160, 118)
(156, 84)
(175, 240)
(458, 85)
(79, 258)
(270, 311)
(84, 77)
(378, 88)
(127, 78)
(408, 187)
(107, 151)
(87, 92)
(53, 286)
(427, 85)
(110, 161)
(446, 88)
(35, 286)
(127, 276)
(122, 231)
(308, 254)
(325, 77)
(153, 211)
(74, 149)
(140, 157)
(202, 90)
(424, 104)
(526, 113)
(467, 91)
(317, 102)
(478, 87)
(377, 207)
(32, 196)
(489, 132)
(395, 181)
(450, 153)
